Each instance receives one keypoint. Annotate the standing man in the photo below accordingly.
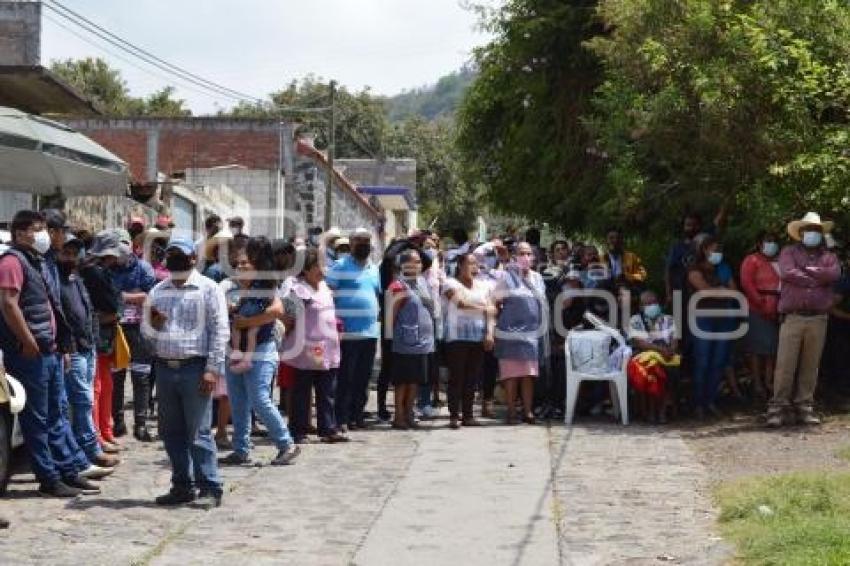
(236, 225)
(357, 288)
(29, 322)
(625, 267)
(80, 371)
(134, 278)
(187, 324)
(808, 272)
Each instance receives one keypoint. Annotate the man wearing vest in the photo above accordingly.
(30, 318)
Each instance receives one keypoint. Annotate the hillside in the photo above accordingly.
(433, 101)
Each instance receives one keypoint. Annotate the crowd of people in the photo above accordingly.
(206, 329)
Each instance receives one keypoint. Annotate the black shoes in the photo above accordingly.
(142, 434)
(176, 497)
(119, 430)
(286, 457)
(235, 459)
(85, 486)
(207, 500)
(58, 489)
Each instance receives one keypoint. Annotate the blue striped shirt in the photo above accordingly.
(196, 322)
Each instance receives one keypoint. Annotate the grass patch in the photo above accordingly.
(789, 520)
(844, 453)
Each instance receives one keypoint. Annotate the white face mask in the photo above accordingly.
(715, 258)
(770, 249)
(812, 239)
(41, 242)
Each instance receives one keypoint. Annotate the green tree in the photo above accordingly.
(106, 87)
(444, 197)
(361, 120)
(520, 129)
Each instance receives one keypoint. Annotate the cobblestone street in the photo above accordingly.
(595, 494)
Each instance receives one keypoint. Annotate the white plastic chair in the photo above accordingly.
(618, 380)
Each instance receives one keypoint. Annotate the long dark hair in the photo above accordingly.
(259, 252)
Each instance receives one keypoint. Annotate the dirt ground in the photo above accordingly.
(741, 446)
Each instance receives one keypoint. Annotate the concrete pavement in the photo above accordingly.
(596, 494)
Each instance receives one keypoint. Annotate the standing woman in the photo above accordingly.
(412, 319)
(710, 354)
(312, 348)
(521, 299)
(468, 334)
(760, 283)
(251, 390)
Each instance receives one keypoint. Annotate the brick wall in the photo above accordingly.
(185, 143)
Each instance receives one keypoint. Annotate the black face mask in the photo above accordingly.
(361, 251)
(178, 263)
(66, 267)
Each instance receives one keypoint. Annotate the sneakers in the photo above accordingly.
(286, 457)
(85, 486)
(807, 417)
(207, 500)
(95, 472)
(110, 447)
(176, 497)
(58, 489)
(105, 460)
(235, 459)
(774, 419)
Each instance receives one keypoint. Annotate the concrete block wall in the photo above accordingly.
(20, 32)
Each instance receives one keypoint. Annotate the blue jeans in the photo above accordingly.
(710, 357)
(185, 417)
(252, 391)
(47, 434)
(355, 371)
(79, 387)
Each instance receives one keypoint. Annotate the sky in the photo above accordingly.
(258, 46)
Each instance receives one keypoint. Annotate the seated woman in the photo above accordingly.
(654, 370)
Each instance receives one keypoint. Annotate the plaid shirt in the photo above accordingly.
(196, 321)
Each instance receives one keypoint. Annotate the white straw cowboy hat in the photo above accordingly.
(810, 219)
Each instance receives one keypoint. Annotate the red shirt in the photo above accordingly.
(807, 278)
(12, 279)
(760, 283)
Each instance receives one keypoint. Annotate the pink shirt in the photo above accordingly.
(314, 342)
(807, 279)
(760, 283)
(12, 278)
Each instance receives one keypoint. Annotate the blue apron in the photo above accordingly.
(519, 321)
(413, 330)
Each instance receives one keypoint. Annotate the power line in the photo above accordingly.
(145, 56)
(129, 61)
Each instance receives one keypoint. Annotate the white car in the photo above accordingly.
(12, 400)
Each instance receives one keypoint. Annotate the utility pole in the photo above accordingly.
(331, 150)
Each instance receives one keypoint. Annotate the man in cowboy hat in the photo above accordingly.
(808, 271)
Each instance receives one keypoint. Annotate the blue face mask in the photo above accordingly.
(715, 258)
(652, 311)
(812, 239)
(770, 249)
(431, 253)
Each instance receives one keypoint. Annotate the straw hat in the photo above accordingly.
(810, 219)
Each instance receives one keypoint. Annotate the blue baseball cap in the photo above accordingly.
(185, 245)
